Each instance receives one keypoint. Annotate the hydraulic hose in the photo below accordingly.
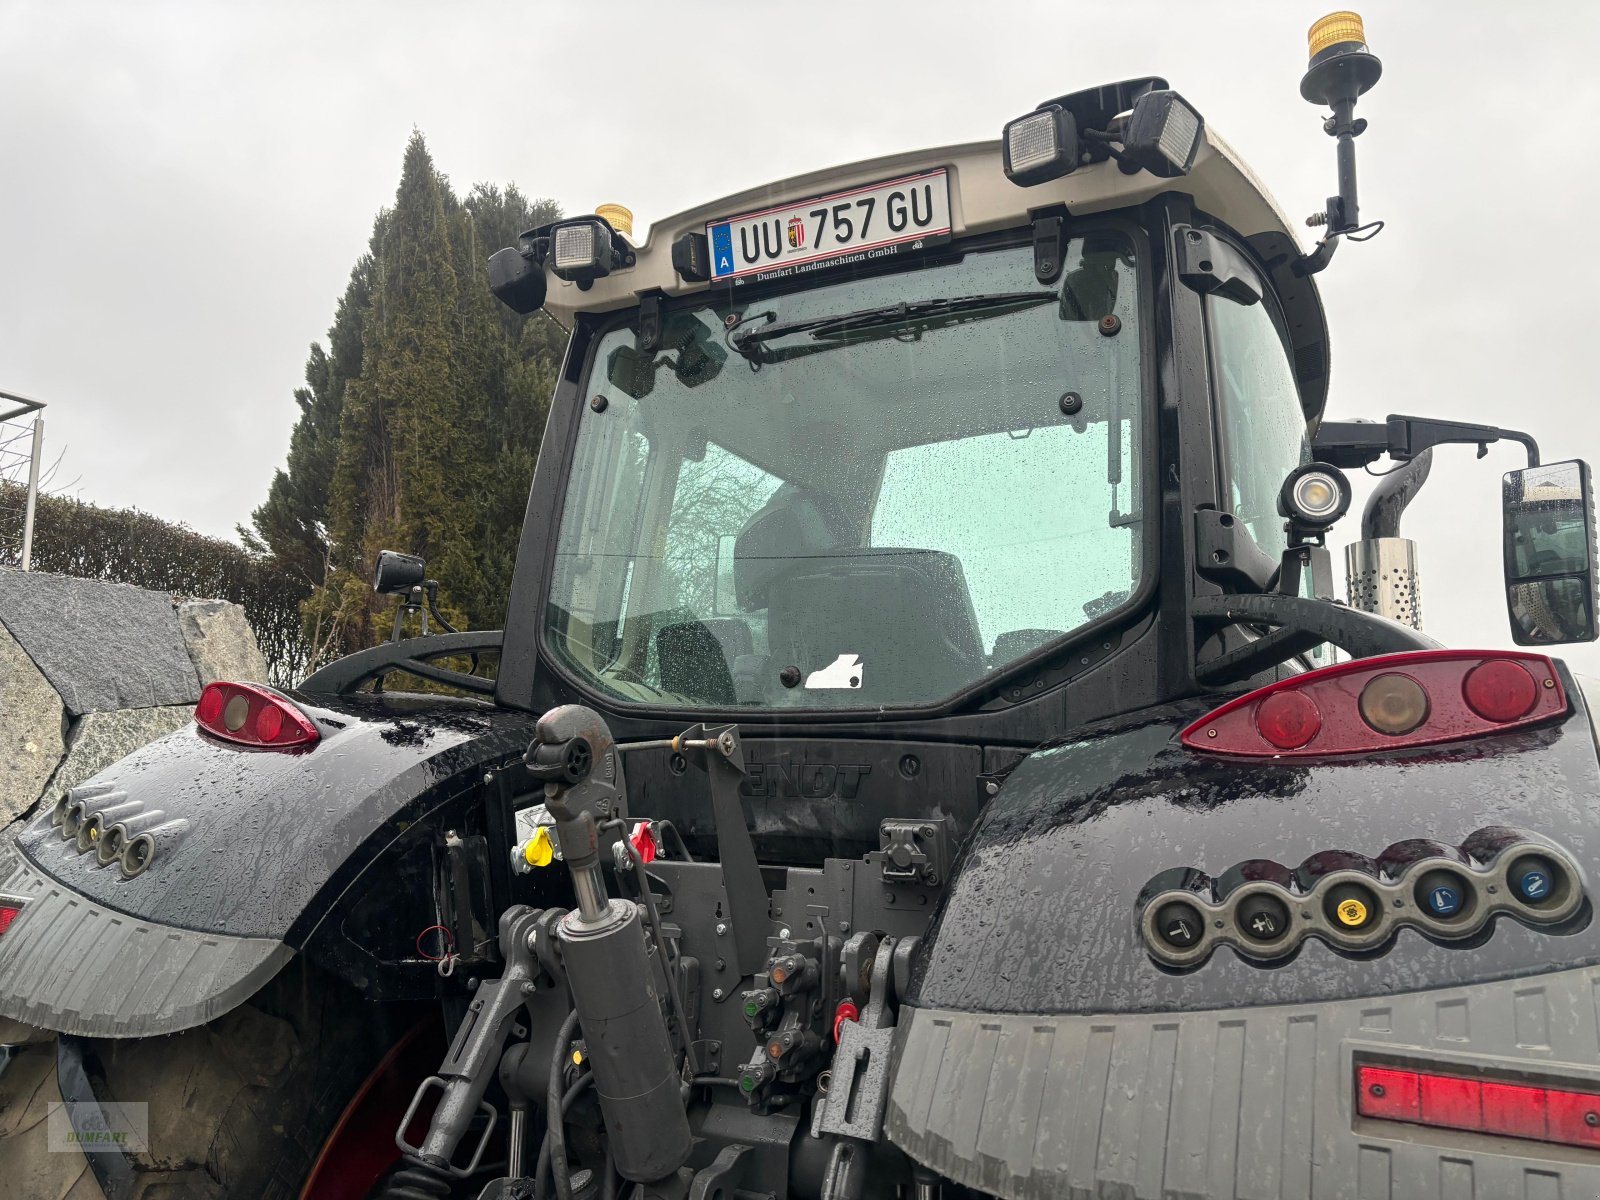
(543, 1166)
(555, 1108)
(418, 1180)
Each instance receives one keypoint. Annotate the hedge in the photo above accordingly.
(71, 537)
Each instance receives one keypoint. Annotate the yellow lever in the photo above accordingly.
(537, 851)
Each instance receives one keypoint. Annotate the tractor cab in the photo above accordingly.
(893, 436)
(987, 427)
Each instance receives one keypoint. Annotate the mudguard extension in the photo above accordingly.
(81, 968)
(1254, 1102)
(256, 847)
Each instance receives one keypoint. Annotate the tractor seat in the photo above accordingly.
(905, 615)
(694, 657)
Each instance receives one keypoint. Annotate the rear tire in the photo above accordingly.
(238, 1108)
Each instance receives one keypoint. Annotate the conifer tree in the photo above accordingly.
(419, 427)
(292, 525)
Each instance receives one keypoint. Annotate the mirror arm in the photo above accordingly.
(1359, 443)
(1532, 447)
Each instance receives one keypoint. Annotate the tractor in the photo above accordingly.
(925, 757)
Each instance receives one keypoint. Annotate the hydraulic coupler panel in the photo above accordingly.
(629, 1050)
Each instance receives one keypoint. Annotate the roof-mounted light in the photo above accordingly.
(580, 251)
(618, 216)
(1162, 136)
(583, 251)
(1040, 146)
(691, 258)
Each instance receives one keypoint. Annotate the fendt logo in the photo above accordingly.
(804, 781)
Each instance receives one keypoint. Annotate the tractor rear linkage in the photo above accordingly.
(610, 972)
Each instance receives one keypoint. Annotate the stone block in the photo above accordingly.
(31, 723)
(220, 642)
(101, 645)
(99, 739)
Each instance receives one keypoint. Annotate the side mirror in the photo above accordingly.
(396, 574)
(1550, 554)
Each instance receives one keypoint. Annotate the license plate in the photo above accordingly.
(859, 225)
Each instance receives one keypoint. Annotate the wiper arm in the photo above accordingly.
(907, 312)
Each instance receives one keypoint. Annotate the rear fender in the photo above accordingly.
(1043, 1049)
(1042, 911)
(259, 854)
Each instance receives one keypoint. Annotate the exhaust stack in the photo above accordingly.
(1381, 569)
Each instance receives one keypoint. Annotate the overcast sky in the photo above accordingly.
(184, 188)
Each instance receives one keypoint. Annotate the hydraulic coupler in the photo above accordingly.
(603, 951)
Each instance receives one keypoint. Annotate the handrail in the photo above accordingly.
(345, 675)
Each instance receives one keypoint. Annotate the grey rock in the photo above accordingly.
(31, 723)
(220, 641)
(101, 645)
(99, 739)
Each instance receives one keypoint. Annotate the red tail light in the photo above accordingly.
(1518, 1110)
(1412, 699)
(253, 716)
(8, 914)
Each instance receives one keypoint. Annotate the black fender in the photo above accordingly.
(274, 852)
(1041, 915)
(1044, 1048)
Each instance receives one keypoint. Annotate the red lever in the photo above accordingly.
(847, 1011)
(643, 842)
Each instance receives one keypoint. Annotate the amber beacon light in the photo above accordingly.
(1338, 30)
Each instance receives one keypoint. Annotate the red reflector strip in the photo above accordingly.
(1479, 1106)
(8, 915)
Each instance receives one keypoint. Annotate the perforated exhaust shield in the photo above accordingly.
(74, 966)
(1382, 576)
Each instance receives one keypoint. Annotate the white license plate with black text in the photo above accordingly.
(858, 225)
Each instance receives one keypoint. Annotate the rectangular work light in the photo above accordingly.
(1163, 134)
(1042, 145)
(582, 251)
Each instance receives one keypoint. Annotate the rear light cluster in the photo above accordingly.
(1419, 698)
(10, 910)
(253, 716)
(1265, 910)
(1482, 1105)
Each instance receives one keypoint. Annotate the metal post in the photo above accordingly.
(33, 492)
(21, 406)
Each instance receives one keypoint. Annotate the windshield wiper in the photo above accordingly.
(890, 316)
